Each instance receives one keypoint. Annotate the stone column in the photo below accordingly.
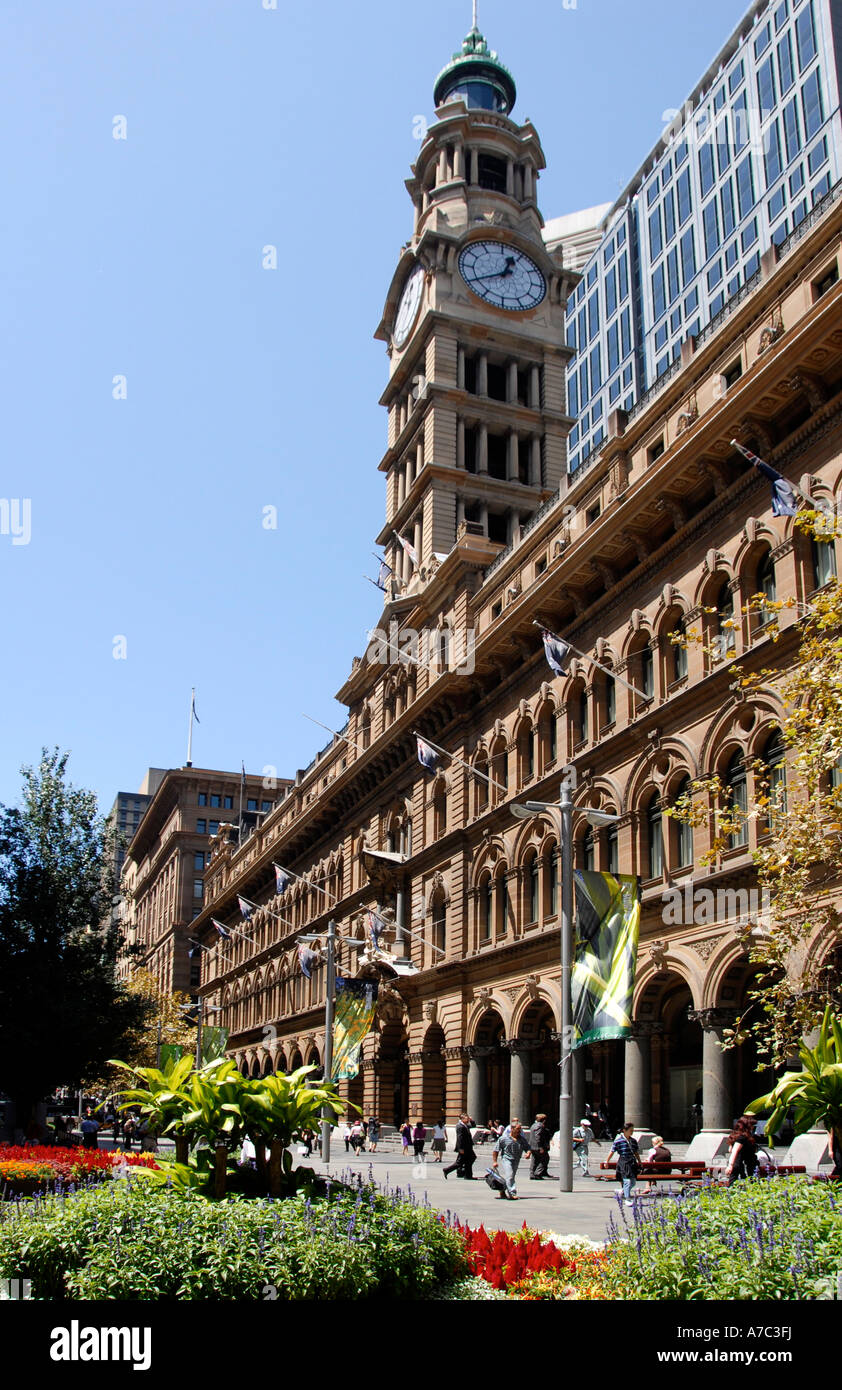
(528, 182)
(474, 154)
(511, 457)
(717, 1085)
(511, 382)
(520, 1085)
(638, 1074)
(535, 388)
(482, 461)
(535, 462)
(460, 368)
(510, 177)
(418, 540)
(442, 170)
(717, 1082)
(458, 162)
(482, 374)
(460, 444)
(477, 1083)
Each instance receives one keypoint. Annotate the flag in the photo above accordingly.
(383, 574)
(376, 928)
(193, 714)
(306, 959)
(556, 652)
(282, 879)
(427, 756)
(221, 929)
(246, 908)
(605, 955)
(408, 549)
(784, 499)
(356, 1001)
(194, 951)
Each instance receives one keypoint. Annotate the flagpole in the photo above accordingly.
(330, 984)
(189, 762)
(240, 820)
(427, 942)
(404, 656)
(492, 782)
(606, 670)
(264, 908)
(301, 879)
(344, 737)
(747, 454)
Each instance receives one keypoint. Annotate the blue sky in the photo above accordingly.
(244, 388)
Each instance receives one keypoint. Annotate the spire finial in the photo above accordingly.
(476, 19)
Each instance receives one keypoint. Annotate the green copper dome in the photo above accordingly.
(477, 76)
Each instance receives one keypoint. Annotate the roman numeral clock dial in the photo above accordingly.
(502, 276)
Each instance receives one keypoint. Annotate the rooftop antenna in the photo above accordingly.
(475, 14)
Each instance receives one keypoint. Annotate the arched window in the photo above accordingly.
(551, 882)
(647, 671)
(588, 851)
(481, 786)
(487, 908)
(532, 882)
(679, 651)
(766, 579)
(774, 758)
(502, 902)
(682, 832)
(440, 809)
(612, 850)
(736, 798)
(823, 555)
(655, 838)
(526, 753)
(500, 768)
(580, 715)
(547, 738)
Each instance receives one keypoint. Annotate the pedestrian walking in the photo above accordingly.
(439, 1142)
(373, 1134)
(508, 1151)
(406, 1137)
(346, 1135)
(357, 1136)
(465, 1153)
(628, 1160)
(129, 1127)
(582, 1137)
(540, 1136)
(419, 1136)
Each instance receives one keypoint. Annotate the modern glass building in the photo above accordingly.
(756, 146)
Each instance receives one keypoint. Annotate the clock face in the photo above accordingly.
(408, 307)
(502, 275)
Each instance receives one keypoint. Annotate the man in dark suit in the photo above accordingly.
(540, 1136)
(465, 1156)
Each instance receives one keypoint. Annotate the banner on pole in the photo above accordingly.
(604, 956)
(214, 1043)
(356, 1001)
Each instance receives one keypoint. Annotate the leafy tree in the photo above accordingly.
(63, 1012)
(799, 857)
(815, 1093)
(166, 1021)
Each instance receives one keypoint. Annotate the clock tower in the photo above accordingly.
(474, 327)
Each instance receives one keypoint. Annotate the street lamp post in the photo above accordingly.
(330, 985)
(565, 1104)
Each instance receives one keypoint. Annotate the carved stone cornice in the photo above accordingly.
(643, 1029)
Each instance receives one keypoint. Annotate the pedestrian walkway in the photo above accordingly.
(584, 1211)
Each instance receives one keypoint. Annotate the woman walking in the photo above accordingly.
(439, 1141)
(419, 1135)
(628, 1160)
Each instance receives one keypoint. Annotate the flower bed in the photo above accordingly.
(505, 1259)
(139, 1240)
(23, 1166)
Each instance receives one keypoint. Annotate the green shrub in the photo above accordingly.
(133, 1241)
(761, 1239)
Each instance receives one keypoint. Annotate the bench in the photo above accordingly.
(679, 1165)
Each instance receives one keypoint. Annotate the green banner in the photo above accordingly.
(214, 1043)
(170, 1052)
(356, 1001)
(604, 956)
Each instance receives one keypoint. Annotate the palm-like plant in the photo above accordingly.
(277, 1107)
(815, 1093)
(162, 1099)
